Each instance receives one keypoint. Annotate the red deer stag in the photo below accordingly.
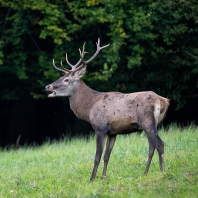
(111, 113)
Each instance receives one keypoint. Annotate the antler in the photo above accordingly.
(81, 60)
(96, 53)
(78, 63)
(65, 70)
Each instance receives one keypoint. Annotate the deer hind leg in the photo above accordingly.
(160, 150)
(109, 146)
(159, 144)
(100, 138)
(150, 127)
(155, 143)
(150, 155)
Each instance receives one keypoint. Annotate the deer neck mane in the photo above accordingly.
(82, 100)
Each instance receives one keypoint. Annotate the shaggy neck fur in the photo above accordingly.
(82, 99)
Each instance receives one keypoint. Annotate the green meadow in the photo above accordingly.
(62, 169)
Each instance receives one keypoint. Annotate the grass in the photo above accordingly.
(62, 169)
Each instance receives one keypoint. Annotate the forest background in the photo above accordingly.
(153, 46)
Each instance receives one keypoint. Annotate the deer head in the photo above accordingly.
(67, 84)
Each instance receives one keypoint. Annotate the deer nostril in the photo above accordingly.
(47, 87)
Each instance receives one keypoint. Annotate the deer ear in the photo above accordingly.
(81, 72)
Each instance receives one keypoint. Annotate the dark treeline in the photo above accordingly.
(154, 46)
(35, 121)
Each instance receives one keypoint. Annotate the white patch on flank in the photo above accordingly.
(157, 113)
(161, 116)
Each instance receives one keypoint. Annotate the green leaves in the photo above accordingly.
(153, 44)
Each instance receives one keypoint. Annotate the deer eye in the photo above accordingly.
(66, 80)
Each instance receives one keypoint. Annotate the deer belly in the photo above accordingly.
(123, 128)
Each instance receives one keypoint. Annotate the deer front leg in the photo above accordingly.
(100, 137)
(109, 146)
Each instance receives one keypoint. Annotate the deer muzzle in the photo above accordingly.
(50, 88)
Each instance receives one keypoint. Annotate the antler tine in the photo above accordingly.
(72, 66)
(58, 68)
(64, 67)
(81, 58)
(97, 51)
(78, 63)
(83, 53)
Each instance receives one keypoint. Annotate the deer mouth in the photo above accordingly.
(53, 94)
